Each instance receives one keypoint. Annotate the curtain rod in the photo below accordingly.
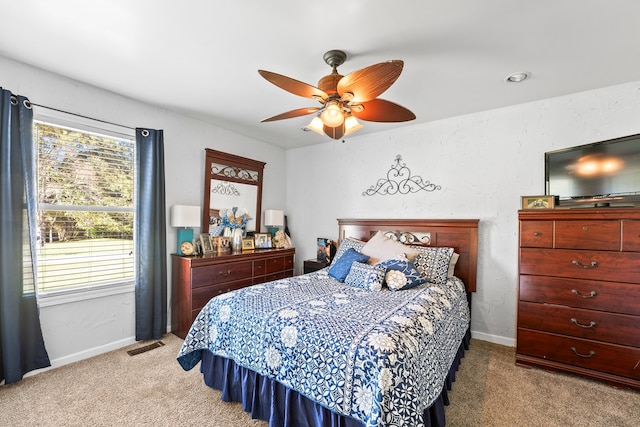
(84, 117)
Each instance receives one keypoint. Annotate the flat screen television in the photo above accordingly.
(605, 173)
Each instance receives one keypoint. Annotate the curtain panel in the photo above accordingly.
(151, 253)
(21, 342)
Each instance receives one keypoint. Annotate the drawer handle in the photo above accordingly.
(586, 356)
(222, 273)
(537, 233)
(590, 325)
(591, 295)
(592, 265)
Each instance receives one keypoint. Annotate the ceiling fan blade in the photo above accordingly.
(293, 86)
(335, 133)
(291, 114)
(380, 110)
(369, 82)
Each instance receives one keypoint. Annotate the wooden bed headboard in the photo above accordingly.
(460, 234)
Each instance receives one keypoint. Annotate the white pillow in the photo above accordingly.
(381, 248)
(452, 264)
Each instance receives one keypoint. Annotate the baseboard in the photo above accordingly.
(85, 354)
(496, 339)
(90, 352)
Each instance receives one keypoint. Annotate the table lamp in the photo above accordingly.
(183, 217)
(273, 219)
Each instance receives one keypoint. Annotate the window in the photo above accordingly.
(85, 207)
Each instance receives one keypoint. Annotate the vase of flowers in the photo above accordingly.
(234, 220)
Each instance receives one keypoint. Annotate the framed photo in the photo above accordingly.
(248, 244)
(325, 250)
(538, 202)
(222, 244)
(262, 240)
(205, 243)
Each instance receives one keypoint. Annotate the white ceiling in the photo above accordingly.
(201, 57)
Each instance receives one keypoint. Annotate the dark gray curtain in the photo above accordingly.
(21, 343)
(151, 254)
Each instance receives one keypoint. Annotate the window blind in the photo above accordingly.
(85, 208)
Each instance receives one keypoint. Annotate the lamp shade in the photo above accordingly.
(184, 216)
(332, 115)
(273, 218)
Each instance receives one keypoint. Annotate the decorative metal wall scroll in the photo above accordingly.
(400, 180)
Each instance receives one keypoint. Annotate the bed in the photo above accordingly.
(331, 348)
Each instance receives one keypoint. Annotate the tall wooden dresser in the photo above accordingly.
(579, 292)
(195, 280)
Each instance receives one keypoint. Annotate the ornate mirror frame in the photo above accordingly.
(237, 172)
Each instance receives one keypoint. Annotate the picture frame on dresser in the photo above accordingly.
(262, 240)
(248, 244)
(538, 202)
(205, 244)
(222, 245)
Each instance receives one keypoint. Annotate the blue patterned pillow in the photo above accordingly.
(340, 268)
(433, 263)
(365, 276)
(401, 274)
(345, 244)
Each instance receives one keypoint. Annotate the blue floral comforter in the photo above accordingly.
(380, 357)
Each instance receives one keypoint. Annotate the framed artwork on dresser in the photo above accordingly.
(538, 202)
(205, 242)
(222, 245)
(262, 240)
(248, 244)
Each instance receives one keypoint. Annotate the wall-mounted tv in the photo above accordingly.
(605, 173)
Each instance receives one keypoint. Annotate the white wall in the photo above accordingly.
(484, 163)
(75, 330)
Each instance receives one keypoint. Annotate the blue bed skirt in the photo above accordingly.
(268, 400)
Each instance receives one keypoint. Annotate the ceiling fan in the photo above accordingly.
(344, 99)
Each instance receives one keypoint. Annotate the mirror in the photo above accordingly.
(229, 181)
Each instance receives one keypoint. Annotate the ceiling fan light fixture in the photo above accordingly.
(332, 115)
(316, 125)
(344, 99)
(351, 125)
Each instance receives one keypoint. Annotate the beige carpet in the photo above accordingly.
(150, 389)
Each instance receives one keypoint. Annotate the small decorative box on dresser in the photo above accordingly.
(579, 292)
(195, 280)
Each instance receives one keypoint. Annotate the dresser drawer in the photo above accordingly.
(594, 325)
(590, 265)
(259, 267)
(221, 273)
(601, 235)
(594, 295)
(610, 358)
(274, 265)
(278, 264)
(631, 235)
(272, 276)
(201, 296)
(536, 234)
